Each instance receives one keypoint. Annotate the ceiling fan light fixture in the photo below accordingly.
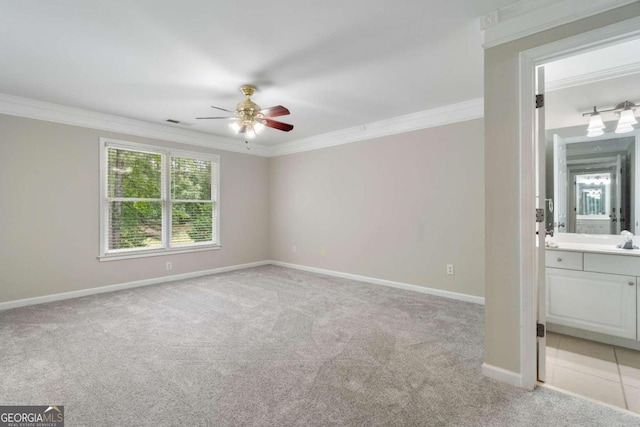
(249, 119)
(235, 126)
(258, 127)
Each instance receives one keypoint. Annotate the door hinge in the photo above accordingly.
(540, 100)
(540, 330)
(539, 215)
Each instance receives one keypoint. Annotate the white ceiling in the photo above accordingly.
(565, 107)
(621, 58)
(334, 64)
(603, 78)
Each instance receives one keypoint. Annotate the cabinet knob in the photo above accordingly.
(559, 259)
(632, 283)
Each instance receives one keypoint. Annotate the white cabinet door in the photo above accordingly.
(597, 302)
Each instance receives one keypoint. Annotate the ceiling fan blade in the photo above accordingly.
(278, 125)
(223, 109)
(225, 118)
(276, 111)
(242, 129)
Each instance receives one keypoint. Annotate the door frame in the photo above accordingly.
(528, 61)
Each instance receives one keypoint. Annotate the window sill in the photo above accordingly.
(160, 252)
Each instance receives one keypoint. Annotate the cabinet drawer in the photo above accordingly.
(615, 264)
(562, 259)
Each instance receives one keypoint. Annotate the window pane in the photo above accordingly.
(191, 223)
(135, 225)
(190, 179)
(134, 174)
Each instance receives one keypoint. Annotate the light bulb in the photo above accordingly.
(627, 118)
(595, 132)
(258, 127)
(250, 133)
(235, 126)
(624, 129)
(595, 122)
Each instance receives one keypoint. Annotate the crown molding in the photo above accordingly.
(40, 110)
(596, 76)
(526, 17)
(453, 113)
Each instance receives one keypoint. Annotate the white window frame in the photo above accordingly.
(167, 248)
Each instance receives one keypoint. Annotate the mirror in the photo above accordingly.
(595, 188)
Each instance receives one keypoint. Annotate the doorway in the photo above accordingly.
(533, 294)
(590, 299)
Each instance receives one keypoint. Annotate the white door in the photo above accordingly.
(560, 183)
(540, 148)
(617, 204)
(634, 223)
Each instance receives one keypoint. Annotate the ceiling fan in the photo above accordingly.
(250, 119)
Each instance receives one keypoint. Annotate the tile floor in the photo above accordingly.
(600, 371)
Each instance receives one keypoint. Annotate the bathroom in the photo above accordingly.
(592, 217)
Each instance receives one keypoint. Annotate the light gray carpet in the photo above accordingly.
(268, 346)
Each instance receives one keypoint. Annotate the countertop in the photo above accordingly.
(593, 248)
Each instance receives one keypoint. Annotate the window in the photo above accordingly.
(156, 200)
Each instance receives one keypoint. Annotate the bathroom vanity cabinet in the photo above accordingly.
(593, 291)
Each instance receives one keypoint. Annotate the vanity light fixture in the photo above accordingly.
(625, 111)
(627, 118)
(596, 125)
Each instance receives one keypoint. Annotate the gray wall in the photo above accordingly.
(502, 197)
(49, 212)
(397, 208)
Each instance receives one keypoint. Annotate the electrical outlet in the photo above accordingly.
(450, 269)
(169, 266)
(294, 250)
(323, 252)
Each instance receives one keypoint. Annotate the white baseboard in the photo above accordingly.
(372, 280)
(129, 285)
(502, 375)
(594, 336)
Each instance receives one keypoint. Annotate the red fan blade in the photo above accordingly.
(226, 118)
(276, 111)
(242, 129)
(278, 125)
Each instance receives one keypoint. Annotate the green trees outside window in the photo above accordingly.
(139, 206)
(191, 211)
